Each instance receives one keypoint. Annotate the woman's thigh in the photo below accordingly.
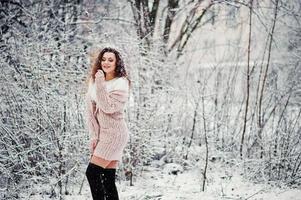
(113, 164)
(103, 162)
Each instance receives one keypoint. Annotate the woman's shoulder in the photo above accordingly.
(122, 83)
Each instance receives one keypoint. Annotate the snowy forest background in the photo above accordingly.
(214, 110)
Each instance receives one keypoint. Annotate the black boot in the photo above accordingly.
(108, 176)
(93, 174)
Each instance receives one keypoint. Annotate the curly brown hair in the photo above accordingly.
(120, 67)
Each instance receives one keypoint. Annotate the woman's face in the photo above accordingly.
(108, 63)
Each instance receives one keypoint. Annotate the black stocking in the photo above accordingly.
(111, 192)
(93, 174)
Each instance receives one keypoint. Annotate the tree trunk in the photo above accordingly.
(248, 81)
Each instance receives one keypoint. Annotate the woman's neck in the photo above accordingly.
(109, 77)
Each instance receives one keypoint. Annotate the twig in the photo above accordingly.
(254, 194)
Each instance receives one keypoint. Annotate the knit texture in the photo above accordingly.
(105, 103)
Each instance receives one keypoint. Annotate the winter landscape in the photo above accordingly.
(214, 108)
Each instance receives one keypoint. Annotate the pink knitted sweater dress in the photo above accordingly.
(105, 103)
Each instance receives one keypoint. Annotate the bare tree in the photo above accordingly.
(146, 14)
(248, 80)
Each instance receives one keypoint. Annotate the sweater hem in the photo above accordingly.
(102, 156)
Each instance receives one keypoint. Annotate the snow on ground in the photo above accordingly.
(223, 183)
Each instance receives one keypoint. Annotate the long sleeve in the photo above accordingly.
(91, 121)
(113, 101)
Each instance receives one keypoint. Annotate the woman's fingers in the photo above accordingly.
(99, 73)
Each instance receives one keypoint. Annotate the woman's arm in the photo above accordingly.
(109, 102)
(91, 120)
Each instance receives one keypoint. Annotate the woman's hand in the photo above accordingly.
(100, 75)
(93, 144)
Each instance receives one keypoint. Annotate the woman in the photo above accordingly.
(106, 97)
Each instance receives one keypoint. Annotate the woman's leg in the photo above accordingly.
(112, 164)
(93, 174)
(108, 176)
